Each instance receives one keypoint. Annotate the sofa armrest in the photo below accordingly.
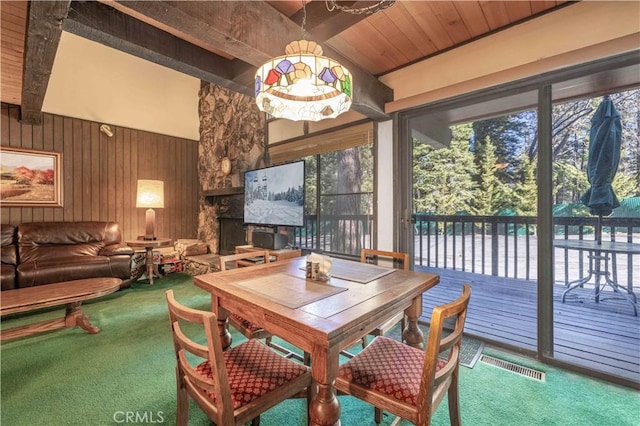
(116, 249)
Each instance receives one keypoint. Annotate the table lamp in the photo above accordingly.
(150, 195)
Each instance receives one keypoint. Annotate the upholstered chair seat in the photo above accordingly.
(370, 369)
(252, 371)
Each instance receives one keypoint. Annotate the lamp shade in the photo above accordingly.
(303, 84)
(150, 193)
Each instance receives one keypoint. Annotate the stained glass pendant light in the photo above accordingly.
(303, 84)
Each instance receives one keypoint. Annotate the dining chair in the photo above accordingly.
(397, 259)
(247, 258)
(406, 381)
(231, 387)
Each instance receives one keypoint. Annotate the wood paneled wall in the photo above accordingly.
(99, 174)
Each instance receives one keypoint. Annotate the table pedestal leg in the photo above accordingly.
(74, 316)
(152, 268)
(324, 409)
(412, 333)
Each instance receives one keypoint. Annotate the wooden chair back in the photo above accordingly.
(436, 383)
(397, 257)
(251, 390)
(244, 258)
(188, 380)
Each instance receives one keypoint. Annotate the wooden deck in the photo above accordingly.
(602, 336)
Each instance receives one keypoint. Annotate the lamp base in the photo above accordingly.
(150, 225)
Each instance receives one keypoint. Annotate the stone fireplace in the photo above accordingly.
(230, 126)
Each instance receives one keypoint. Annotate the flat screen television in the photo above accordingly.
(274, 196)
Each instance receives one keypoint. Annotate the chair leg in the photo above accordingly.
(378, 415)
(182, 409)
(364, 342)
(454, 402)
(255, 421)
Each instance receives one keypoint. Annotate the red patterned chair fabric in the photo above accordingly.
(253, 370)
(370, 369)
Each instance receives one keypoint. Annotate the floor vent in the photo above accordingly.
(518, 369)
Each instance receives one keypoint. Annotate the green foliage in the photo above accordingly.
(491, 165)
(443, 181)
(493, 194)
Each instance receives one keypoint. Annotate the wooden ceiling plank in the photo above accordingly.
(395, 40)
(451, 21)
(44, 29)
(405, 23)
(473, 18)
(344, 45)
(518, 10)
(16, 9)
(541, 6)
(430, 24)
(253, 32)
(107, 26)
(374, 47)
(496, 13)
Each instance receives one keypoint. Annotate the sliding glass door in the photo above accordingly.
(500, 206)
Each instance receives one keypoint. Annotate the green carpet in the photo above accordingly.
(69, 377)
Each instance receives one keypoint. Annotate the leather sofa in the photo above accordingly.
(48, 252)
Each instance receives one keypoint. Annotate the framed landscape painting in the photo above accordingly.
(30, 178)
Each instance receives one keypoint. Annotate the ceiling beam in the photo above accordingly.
(105, 25)
(44, 28)
(253, 32)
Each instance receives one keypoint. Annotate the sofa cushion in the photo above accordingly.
(7, 277)
(8, 252)
(39, 272)
(8, 256)
(55, 240)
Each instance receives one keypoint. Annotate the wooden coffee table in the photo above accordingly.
(70, 293)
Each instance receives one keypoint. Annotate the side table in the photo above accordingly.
(149, 245)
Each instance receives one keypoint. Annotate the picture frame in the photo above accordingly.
(30, 178)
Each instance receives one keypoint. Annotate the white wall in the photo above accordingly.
(94, 82)
(384, 185)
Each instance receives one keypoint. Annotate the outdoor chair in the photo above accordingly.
(247, 328)
(406, 381)
(232, 387)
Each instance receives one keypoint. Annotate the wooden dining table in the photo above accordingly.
(320, 317)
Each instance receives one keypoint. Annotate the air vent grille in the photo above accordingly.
(518, 369)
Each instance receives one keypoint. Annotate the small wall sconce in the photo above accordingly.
(106, 130)
(150, 195)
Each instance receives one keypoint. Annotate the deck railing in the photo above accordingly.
(501, 246)
(341, 235)
(506, 246)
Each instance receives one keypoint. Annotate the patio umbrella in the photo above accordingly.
(604, 156)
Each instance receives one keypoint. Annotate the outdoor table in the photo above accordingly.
(599, 253)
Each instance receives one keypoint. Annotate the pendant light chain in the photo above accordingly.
(304, 19)
(382, 4)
